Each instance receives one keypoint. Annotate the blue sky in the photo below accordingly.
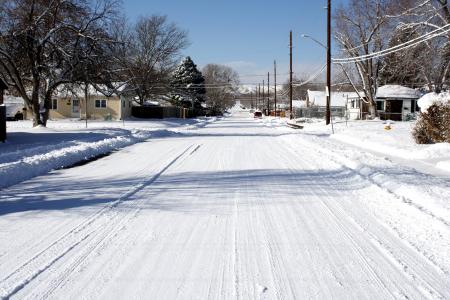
(246, 35)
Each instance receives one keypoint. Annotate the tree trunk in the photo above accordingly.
(36, 110)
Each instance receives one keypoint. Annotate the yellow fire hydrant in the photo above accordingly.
(388, 126)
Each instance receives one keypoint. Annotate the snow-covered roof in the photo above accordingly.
(8, 99)
(246, 89)
(151, 103)
(319, 98)
(298, 103)
(78, 90)
(432, 98)
(398, 92)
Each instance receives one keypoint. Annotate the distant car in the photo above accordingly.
(257, 115)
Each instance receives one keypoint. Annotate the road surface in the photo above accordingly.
(232, 210)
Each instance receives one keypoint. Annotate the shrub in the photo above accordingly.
(433, 126)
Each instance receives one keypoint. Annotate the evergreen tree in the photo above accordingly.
(404, 67)
(188, 84)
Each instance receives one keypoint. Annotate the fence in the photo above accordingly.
(319, 112)
(158, 112)
(2, 123)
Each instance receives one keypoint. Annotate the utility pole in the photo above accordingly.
(259, 95)
(256, 98)
(328, 112)
(268, 93)
(86, 96)
(264, 86)
(251, 99)
(275, 84)
(290, 76)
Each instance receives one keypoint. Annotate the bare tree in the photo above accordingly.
(44, 44)
(431, 58)
(149, 54)
(361, 30)
(222, 84)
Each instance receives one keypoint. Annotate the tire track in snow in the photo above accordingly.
(405, 261)
(347, 165)
(42, 261)
(323, 196)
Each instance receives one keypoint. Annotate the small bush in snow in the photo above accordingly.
(433, 125)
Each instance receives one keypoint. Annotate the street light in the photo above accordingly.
(313, 39)
(328, 92)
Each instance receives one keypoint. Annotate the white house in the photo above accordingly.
(350, 101)
(396, 102)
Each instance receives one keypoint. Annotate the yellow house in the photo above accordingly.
(72, 104)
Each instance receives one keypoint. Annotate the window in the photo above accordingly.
(54, 105)
(380, 105)
(123, 103)
(354, 103)
(414, 106)
(100, 103)
(75, 106)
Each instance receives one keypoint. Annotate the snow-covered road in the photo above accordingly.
(239, 209)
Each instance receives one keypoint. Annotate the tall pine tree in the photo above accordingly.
(404, 67)
(188, 85)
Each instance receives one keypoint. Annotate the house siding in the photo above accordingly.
(112, 110)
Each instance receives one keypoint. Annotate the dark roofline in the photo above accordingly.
(396, 98)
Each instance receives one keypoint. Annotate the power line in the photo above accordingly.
(400, 47)
(317, 74)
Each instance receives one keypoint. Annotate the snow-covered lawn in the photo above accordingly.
(396, 144)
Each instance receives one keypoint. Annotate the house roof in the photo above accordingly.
(78, 90)
(397, 91)
(319, 98)
(298, 103)
(13, 100)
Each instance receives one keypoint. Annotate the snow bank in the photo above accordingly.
(15, 169)
(444, 165)
(37, 151)
(433, 98)
(397, 143)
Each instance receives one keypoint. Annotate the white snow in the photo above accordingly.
(30, 152)
(433, 98)
(234, 208)
(298, 103)
(396, 144)
(397, 92)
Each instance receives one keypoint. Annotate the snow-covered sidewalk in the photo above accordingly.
(31, 152)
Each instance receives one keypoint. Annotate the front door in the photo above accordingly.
(75, 108)
(394, 110)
